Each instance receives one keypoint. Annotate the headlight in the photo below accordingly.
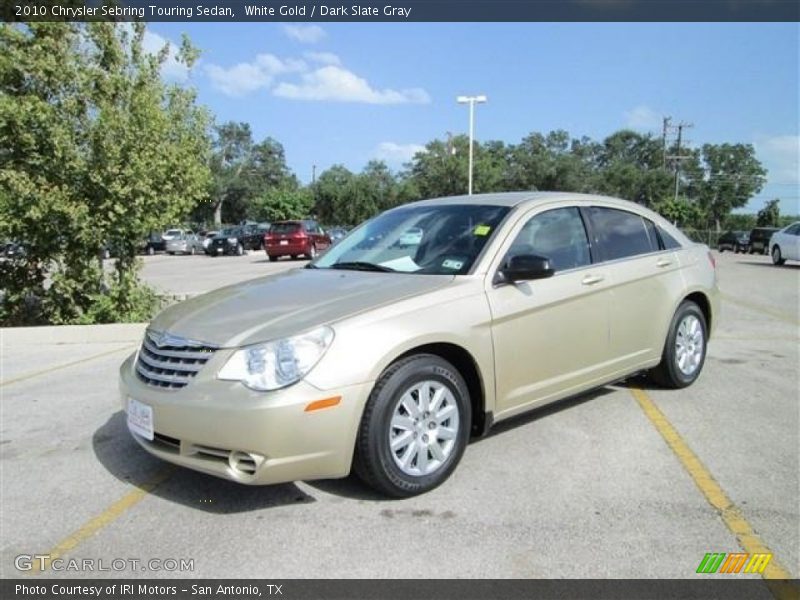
(231, 240)
(277, 364)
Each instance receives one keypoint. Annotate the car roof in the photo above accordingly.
(529, 199)
(515, 199)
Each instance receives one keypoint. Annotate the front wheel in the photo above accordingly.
(239, 250)
(685, 349)
(777, 258)
(312, 253)
(415, 427)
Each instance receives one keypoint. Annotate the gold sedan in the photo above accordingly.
(389, 351)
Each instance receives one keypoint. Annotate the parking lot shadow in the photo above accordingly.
(125, 460)
(352, 487)
(538, 413)
(769, 264)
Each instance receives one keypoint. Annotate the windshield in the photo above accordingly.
(433, 240)
(173, 232)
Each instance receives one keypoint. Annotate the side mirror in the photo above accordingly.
(525, 267)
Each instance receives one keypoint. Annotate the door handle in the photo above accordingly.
(663, 263)
(592, 279)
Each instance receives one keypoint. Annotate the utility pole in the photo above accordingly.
(313, 174)
(678, 157)
(664, 129)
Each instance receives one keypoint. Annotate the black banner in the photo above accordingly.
(732, 588)
(402, 10)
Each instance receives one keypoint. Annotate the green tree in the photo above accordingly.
(682, 212)
(730, 174)
(630, 167)
(230, 164)
(441, 170)
(243, 172)
(332, 193)
(94, 149)
(283, 202)
(770, 215)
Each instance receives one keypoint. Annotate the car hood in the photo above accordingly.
(287, 303)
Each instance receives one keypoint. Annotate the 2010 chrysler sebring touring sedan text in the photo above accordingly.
(387, 356)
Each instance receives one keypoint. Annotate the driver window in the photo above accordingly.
(558, 235)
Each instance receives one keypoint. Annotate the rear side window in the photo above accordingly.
(284, 228)
(621, 234)
(670, 243)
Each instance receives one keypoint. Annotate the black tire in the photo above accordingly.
(668, 373)
(239, 250)
(294, 257)
(150, 251)
(312, 253)
(777, 257)
(374, 462)
(192, 251)
(721, 249)
(273, 259)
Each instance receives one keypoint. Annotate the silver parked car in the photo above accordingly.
(385, 357)
(183, 241)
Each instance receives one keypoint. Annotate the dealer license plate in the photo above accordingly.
(140, 418)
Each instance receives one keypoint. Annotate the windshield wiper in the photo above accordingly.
(360, 265)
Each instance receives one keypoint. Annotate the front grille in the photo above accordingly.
(168, 361)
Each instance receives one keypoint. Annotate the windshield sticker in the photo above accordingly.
(452, 264)
(482, 230)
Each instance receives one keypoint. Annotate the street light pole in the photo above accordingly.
(471, 100)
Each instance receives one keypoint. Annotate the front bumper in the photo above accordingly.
(224, 429)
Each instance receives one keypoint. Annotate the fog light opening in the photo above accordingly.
(243, 463)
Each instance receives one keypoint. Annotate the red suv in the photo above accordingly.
(295, 238)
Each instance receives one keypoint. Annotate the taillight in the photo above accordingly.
(299, 235)
(712, 260)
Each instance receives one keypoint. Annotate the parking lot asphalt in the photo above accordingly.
(597, 486)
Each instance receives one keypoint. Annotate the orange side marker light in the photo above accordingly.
(325, 403)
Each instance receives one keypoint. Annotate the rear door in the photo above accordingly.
(644, 279)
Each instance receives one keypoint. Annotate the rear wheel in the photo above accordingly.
(150, 251)
(415, 427)
(273, 259)
(777, 258)
(239, 250)
(685, 349)
(312, 253)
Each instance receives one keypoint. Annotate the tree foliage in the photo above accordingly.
(730, 175)
(770, 215)
(95, 149)
(244, 173)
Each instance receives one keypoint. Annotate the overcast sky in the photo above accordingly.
(346, 93)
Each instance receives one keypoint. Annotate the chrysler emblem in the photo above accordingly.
(164, 338)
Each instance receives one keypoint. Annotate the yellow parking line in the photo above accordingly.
(733, 518)
(771, 312)
(33, 374)
(106, 517)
